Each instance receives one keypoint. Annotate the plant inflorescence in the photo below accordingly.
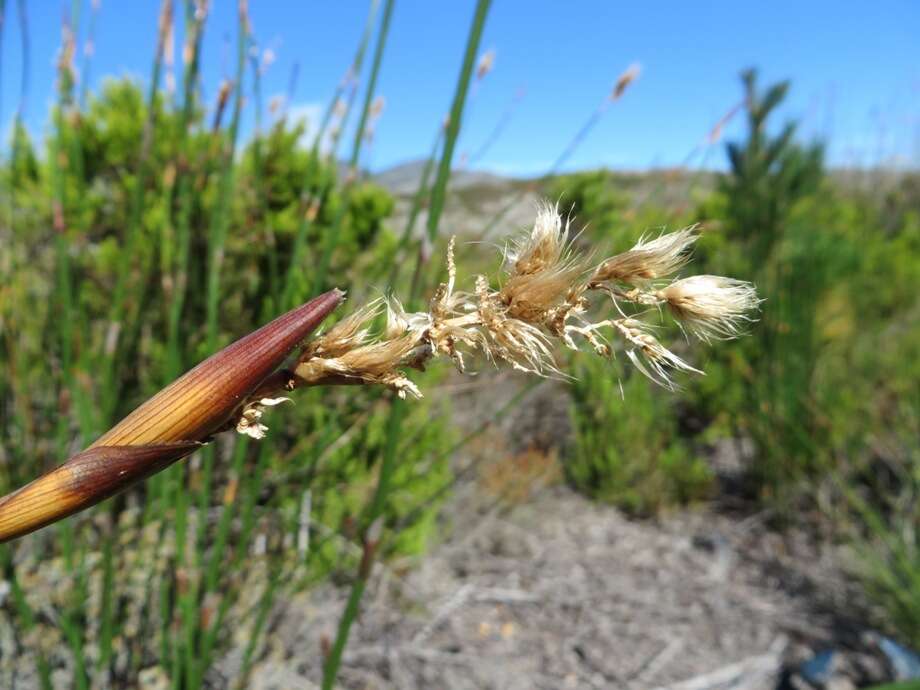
(549, 293)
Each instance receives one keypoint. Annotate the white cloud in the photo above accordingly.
(311, 114)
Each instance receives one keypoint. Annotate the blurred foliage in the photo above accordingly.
(65, 248)
(883, 509)
(627, 448)
(770, 215)
(825, 387)
(126, 201)
(592, 197)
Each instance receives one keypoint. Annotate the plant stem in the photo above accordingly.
(332, 238)
(397, 409)
(111, 387)
(439, 190)
(378, 503)
(300, 239)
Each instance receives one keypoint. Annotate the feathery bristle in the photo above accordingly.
(711, 306)
(649, 260)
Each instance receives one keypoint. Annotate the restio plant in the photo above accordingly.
(146, 233)
(544, 296)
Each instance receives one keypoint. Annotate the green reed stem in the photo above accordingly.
(88, 54)
(190, 600)
(218, 236)
(195, 30)
(418, 201)
(25, 616)
(300, 239)
(332, 238)
(2, 27)
(258, 625)
(260, 179)
(221, 215)
(352, 75)
(107, 615)
(117, 313)
(397, 410)
(445, 488)
(439, 190)
(378, 503)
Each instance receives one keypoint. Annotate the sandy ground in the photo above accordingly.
(563, 593)
(555, 591)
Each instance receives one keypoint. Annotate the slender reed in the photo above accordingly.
(629, 75)
(418, 202)
(117, 313)
(308, 203)
(89, 51)
(195, 16)
(332, 237)
(394, 423)
(190, 599)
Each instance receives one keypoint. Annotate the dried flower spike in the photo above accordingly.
(545, 298)
(648, 259)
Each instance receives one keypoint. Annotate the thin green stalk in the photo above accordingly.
(190, 599)
(221, 216)
(224, 522)
(73, 632)
(2, 26)
(25, 48)
(418, 201)
(172, 490)
(445, 488)
(258, 625)
(88, 53)
(24, 613)
(117, 313)
(107, 615)
(496, 133)
(63, 160)
(218, 235)
(378, 503)
(332, 238)
(252, 488)
(195, 29)
(352, 75)
(300, 239)
(439, 190)
(397, 410)
(260, 181)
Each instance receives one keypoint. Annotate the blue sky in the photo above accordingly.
(855, 69)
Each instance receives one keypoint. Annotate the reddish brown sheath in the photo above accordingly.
(166, 428)
(84, 480)
(200, 402)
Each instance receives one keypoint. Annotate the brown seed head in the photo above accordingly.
(630, 74)
(649, 259)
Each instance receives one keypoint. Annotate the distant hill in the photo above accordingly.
(402, 179)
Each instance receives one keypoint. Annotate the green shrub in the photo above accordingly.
(57, 338)
(627, 450)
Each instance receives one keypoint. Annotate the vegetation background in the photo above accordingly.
(143, 232)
